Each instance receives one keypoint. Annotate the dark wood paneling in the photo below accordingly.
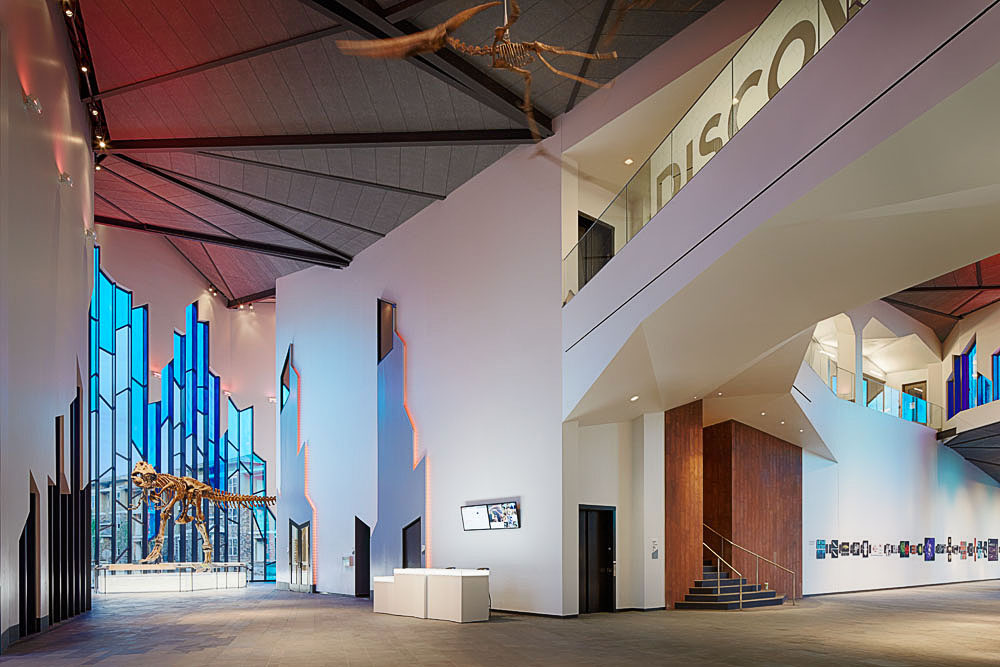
(764, 500)
(718, 508)
(683, 486)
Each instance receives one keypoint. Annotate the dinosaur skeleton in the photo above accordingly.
(504, 54)
(163, 492)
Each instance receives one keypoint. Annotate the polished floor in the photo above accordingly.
(954, 625)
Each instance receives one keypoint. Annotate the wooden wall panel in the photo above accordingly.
(683, 500)
(718, 503)
(767, 505)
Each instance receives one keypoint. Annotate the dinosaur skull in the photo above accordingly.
(143, 475)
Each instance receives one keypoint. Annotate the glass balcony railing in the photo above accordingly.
(780, 46)
(876, 394)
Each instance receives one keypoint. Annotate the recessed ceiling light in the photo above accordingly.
(763, 414)
(69, 13)
(83, 68)
(802, 430)
(782, 421)
(102, 144)
(629, 160)
(97, 168)
(634, 398)
(93, 112)
(720, 393)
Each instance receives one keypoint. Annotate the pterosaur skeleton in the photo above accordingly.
(504, 53)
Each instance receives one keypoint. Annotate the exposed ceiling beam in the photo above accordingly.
(949, 288)
(219, 62)
(965, 302)
(250, 298)
(346, 140)
(922, 309)
(237, 208)
(225, 289)
(319, 174)
(444, 64)
(275, 250)
(989, 463)
(160, 198)
(407, 9)
(594, 39)
(271, 202)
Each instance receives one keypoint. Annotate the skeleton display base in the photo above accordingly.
(169, 577)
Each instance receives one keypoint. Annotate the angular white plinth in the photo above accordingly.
(461, 596)
(168, 577)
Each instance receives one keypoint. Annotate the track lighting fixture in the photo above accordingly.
(32, 104)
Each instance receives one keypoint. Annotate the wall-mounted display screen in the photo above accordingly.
(474, 517)
(495, 516)
(504, 515)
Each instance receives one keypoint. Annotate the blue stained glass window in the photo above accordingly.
(178, 434)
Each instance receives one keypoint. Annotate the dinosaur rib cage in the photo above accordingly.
(249, 502)
(514, 53)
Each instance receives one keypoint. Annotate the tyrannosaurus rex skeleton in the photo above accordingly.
(164, 491)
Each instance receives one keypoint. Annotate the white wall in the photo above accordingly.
(891, 481)
(477, 281)
(618, 465)
(241, 342)
(44, 274)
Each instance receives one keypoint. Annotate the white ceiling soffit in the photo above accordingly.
(636, 133)
(881, 224)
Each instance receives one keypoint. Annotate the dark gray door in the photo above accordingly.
(411, 545)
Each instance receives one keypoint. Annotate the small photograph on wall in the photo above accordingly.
(820, 549)
(878, 549)
(845, 548)
(991, 549)
(962, 551)
(865, 549)
(834, 549)
(939, 548)
(929, 548)
(904, 549)
(855, 548)
(950, 550)
(920, 549)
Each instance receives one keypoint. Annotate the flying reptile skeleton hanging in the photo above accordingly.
(163, 492)
(504, 54)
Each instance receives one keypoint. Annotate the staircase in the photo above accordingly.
(716, 590)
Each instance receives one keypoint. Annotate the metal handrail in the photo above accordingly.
(720, 561)
(758, 557)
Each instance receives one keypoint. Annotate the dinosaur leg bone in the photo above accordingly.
(526, 107)
(157, 551)
(206, 543)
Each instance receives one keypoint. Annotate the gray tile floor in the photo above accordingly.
(954, 625)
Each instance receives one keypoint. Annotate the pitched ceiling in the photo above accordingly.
(941, 302)
(240, 131)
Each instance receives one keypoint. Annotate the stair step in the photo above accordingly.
(719, 582)
(729, 597)
(709, 568)
(725, 606)
(747, 588)
(715, 575)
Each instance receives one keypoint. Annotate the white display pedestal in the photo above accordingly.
(461, 596)
(168, 577)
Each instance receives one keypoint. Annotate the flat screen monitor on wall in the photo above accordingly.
(474, 517)
(504, 515)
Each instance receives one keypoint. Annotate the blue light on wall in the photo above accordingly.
(178, 435)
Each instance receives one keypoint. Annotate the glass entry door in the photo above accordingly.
(299, 557)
